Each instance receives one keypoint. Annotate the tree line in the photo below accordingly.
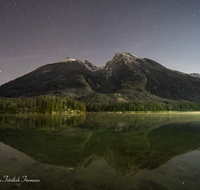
(39, 104)
(42, 104)
(143, 106)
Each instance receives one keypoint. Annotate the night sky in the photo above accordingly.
(37, 32)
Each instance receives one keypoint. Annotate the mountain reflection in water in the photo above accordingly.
(126, 143)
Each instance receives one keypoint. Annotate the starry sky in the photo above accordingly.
(37, 32)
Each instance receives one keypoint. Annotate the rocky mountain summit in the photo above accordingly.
(124, 78)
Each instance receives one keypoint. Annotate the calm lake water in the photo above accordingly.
(100, 151)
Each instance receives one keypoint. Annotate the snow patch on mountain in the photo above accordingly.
(195, 75)
(68, 59)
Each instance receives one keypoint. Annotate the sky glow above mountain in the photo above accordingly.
(34, 33)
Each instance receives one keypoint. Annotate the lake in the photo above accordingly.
(100, 151)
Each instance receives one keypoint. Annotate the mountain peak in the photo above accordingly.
(124, 55)
(118, 57)
(90, 66)
(68, 59)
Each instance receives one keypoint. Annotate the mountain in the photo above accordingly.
(124, 78)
